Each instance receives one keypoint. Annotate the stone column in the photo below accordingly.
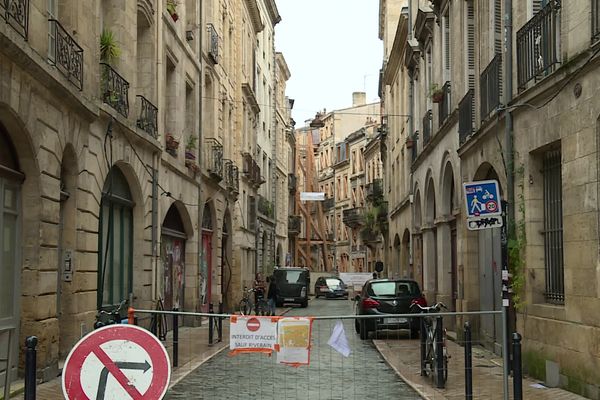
(429, 263)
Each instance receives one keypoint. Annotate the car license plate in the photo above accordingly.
(394, 320)
(288, 299)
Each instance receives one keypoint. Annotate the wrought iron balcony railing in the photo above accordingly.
(213, 43)
(294, 224)
(232, 179)
(427, 122)
(16, 14)
(374, 190)
(265, 207)
(353, 217)
(595, 20)
(328, 203)
(490, 86)
(465, 117)
(115, 89)
(213, 154)
(445, 104)
(148, 116)
(68, 55)
(537, 44)
(292, 183)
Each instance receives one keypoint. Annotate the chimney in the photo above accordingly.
(359, 99)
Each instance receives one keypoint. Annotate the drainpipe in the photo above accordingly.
(509, 154)
(411, 120)
(201, 34)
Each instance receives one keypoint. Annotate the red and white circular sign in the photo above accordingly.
(253, 324)
(117, 362)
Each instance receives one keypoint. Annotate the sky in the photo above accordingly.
(332, 49)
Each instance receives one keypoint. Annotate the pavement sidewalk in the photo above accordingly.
(403, 355)
(194, 350)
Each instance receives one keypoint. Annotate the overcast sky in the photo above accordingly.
(332, 49)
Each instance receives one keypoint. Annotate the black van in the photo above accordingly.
(292, 285)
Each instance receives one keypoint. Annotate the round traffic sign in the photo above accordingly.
(117, 362)
(491, 206)
(253, 324)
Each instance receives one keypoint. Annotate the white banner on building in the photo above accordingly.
(312, 196)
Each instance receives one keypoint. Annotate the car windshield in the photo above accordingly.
(333, 282)
(393, 289)
(291, 276)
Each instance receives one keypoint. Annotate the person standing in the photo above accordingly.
(259, 288)
(271, 295)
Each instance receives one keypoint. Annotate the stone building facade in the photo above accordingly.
(123, 163)
(446, 69)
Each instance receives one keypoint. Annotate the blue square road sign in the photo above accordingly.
(482, 198)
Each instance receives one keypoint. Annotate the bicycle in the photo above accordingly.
(429, 365)
(104, 318)
(158, 322)
(246, 305)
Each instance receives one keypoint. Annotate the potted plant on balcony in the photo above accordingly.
(109, 47)
(172, 9)
(411, 141)
(190, 146)
(172, 144)
(436, 93)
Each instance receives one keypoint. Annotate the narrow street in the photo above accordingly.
(364, 374)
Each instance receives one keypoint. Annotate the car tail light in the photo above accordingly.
(303, 292)
(420, 301)
(370, 303)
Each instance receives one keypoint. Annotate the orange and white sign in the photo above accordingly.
(252, 334)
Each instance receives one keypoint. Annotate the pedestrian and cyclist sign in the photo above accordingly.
(482, 202)
(117, 362)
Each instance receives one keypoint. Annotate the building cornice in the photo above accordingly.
(283, 65)
(424, 25)
(251, 97)
(273, 12)
(254, 12)
(398, 51)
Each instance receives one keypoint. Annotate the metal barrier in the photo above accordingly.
(368, 371)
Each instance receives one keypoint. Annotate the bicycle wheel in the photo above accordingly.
(261, 307)
(244, 307)
(429, 362)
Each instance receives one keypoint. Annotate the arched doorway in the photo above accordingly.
(11, 179)
(172, 253)
(65, 301)
(430, 243)
(279, 256)
(418, 240)
(406, 264)
(204, 278)
(115, 242)
(448, 240)
(490, 273)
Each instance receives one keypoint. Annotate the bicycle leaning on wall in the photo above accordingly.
(246, 305)
(429, 364)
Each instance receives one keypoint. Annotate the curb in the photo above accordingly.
(415, 386)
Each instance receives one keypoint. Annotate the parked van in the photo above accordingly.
(292, 285)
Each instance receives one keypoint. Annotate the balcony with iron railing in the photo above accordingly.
(328, 204)
(294, 224)
(374, 190)
(490, 87)
(68, 55)
(213, 43)
(16, 14)
(353, 217)
(147, 117)
(444, 106)
(465, 117)
(213, 156)
(412, 143)
(292, 183)
(115, 89)
(538, 45)
(232, 179)
(595, 20)
(427, 128)
(265, 207)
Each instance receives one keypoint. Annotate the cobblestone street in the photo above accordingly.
(364, 374)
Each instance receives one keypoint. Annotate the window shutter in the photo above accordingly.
(251, 213)
(447, 71)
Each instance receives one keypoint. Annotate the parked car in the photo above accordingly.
(384, 297)
(292, 285)
(330, 286)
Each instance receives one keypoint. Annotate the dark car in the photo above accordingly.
(292, 285)
(330, 286)
(387, 296)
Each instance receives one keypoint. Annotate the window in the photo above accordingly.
(553, 227)
(52, 14)
(115, 244)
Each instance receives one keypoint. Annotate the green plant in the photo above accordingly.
(517, 241)
(191, 142)
(435, 90)
(109, 47)
(172, 6)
